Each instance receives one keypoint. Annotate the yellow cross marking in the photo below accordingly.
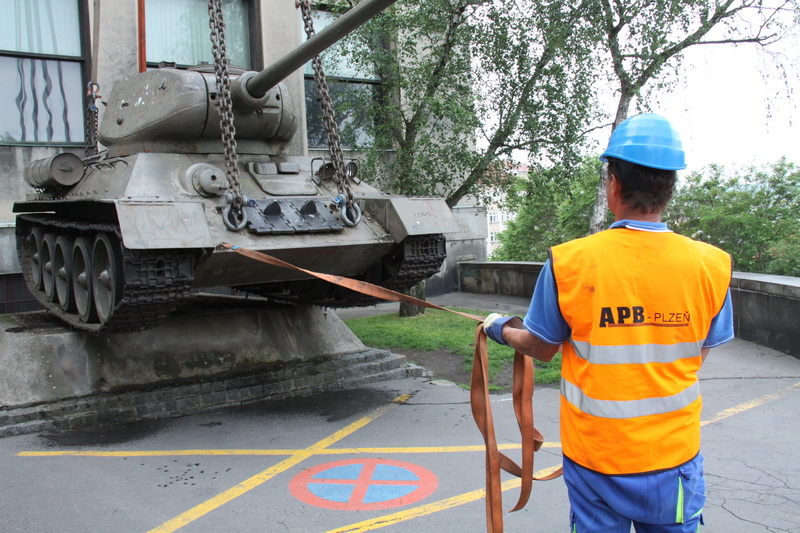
(221, 499)
(435, 507)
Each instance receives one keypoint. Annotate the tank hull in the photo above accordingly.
(117, 241)
(146, 232)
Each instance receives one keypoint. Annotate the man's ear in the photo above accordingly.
(615, 184)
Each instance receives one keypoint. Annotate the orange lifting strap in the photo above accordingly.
(522, 386)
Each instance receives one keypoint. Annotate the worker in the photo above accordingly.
(635, 310)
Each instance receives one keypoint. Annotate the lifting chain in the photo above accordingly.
(234, 216)
(90, 133)
(350, 212)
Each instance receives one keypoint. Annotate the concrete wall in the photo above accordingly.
(511, 278)
(766, 308)
(469, 244)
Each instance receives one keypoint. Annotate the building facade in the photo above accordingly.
(497, 213)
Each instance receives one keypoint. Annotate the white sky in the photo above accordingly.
(733, 107)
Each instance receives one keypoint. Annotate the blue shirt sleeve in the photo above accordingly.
(721, 330)
(544, 318)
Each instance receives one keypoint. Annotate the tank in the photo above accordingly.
(117, 242)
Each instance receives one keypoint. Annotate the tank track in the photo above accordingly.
(416, 259)
(155, 282)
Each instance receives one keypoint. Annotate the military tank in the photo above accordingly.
(116, 242)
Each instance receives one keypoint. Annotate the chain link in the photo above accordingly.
(331, 129)
(234, 216)
(90, 124)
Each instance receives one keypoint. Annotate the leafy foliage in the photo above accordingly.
(552, 206)
(467, 82)
(753, 214)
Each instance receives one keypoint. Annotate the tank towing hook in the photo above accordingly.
(234, 216)
(349, 213)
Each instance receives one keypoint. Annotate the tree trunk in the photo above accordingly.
(408, 310)
(598, 220)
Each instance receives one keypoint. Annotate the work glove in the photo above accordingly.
(493, 326)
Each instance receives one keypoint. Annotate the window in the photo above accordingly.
(493, 236)
(42, 66)
(348, 84)
(494, 216)
(177, 32)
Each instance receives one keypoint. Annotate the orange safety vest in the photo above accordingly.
(640, 305)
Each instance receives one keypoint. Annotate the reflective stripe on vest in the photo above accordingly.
(633, 354)
(639, 306)
(629, 408)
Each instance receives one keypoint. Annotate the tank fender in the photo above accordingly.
(148, 224)
(402, 217)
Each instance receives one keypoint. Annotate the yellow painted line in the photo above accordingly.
(234, 492)
(442, 505)
(449, 503)
(234, 452)
(434, 449)
(321, 448)
(742, 407)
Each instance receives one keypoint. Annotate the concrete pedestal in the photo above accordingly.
(202, 358)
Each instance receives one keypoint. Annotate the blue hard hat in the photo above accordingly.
(648, 140)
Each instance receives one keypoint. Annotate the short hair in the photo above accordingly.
(643, 188)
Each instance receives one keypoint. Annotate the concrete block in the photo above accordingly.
(47, 362)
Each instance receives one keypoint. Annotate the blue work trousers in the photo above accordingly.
(669, 501)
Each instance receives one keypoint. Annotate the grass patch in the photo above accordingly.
(438, 330)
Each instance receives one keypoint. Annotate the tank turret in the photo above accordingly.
(171, 109)
(116, 242)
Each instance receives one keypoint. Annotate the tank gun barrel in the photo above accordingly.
(258, 85)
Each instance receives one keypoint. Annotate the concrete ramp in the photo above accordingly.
(199, 359)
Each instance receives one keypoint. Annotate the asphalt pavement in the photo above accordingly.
(396, 456)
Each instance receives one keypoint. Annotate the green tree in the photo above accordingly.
(645, 40)
(552, 206)
(753, 214)
(468, 82)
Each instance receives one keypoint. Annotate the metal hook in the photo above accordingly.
(229, 218)
(346, 218)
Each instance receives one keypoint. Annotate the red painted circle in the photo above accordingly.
(363, 484)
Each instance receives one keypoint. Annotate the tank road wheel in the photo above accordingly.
(46, 258)
(106, 275)
(82, 279)
(35, 243)
(62, 268)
